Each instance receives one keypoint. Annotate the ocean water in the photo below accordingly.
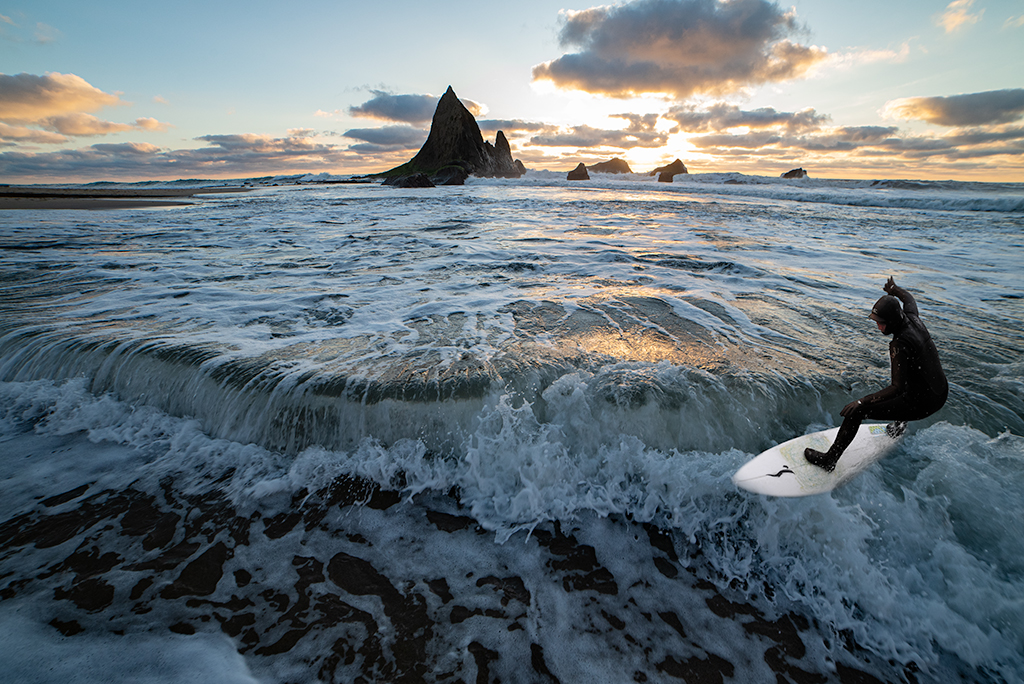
(344, 432)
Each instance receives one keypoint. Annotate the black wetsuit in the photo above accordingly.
(919, 387)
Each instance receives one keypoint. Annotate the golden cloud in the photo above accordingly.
(28, 98)
(969, 109)
(957, 16)
(23, 134)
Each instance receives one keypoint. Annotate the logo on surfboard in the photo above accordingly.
(785, 470)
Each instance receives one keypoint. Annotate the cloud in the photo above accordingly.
(46, 34)
(14, 32)
(856, 146)
(23, 134)
(972, 109)
(82, 125)
(255, 144)
(1014, 22)
(678, 47)
(957, 15)
(391, 107)
(511, 126)
(59, 104)
(721, 116)
(79, 124)
(403, 108)
(147, 123)
(640, 132)
(859, 57)
(27, 98)
(235, 155)
(389, 137)
(130, 149)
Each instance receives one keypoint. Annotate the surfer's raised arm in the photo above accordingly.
(909, 303)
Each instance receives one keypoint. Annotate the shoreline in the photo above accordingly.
(20, 197)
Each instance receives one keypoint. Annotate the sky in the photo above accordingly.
(131, 91)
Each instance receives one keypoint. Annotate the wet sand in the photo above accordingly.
(61, 197)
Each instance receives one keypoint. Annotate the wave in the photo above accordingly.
(892, 194)
(908, 582)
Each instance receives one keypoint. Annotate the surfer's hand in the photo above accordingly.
(889, 286)
(852, 407)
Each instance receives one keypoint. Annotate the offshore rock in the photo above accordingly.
(415, 180)
(612, 166)
(667, 173)
(579, 173)
(451, 175)
(795, 173)
(455, 141)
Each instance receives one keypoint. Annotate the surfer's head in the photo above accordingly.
(888, 313)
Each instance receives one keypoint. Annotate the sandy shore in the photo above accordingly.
(56, 197)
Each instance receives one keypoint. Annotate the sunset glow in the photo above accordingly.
(749, 86)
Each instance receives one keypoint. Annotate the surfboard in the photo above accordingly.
(783, 470)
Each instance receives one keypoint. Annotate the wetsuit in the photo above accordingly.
(919, 387)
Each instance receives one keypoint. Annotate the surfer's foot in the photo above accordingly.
(896, 428)
(822, 460)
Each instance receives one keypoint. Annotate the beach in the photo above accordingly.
(337, 432)
(42, 197)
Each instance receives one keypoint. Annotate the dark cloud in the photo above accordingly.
(972, 109)
(389, 137)
(857, 144)
(720, 117)
(983, 137)
(404, 108)
(640, 132)
(511, 126)
(242, 155)
(391, 107)
(842, 139)
(680, 47)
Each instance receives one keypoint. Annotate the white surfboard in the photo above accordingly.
(783, 470)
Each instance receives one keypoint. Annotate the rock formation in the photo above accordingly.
(579, 173)
(795, 173)
(414, 180)
(455, 146)
(612, 166)
(667, 173)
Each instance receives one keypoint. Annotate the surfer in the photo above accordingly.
(918, 388)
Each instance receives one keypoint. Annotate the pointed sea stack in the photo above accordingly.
(579, 173)
(455, 144)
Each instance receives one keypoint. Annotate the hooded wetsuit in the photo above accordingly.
(918, 387)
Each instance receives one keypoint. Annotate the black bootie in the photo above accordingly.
(825, 460)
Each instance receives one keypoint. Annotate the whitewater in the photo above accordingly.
(334, 431)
